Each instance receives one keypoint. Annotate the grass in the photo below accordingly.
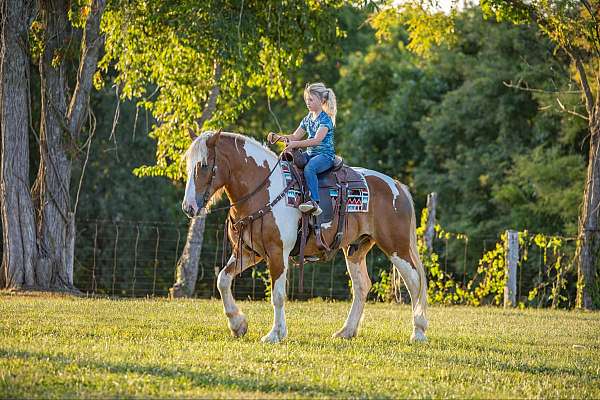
(52, 346)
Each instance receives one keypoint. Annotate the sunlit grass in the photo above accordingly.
(72, 347)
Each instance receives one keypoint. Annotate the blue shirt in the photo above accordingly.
(326, 147)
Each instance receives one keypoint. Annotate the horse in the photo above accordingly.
(249, 174)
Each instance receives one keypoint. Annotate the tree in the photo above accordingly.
(196, 66)
(574, 27)
(19, 251)
(385, 92)
(39, 250)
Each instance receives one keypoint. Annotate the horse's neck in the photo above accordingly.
(249, 166)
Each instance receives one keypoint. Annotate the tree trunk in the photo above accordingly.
(187, 266)
(59, 133)
(51, 189)
(18, 221)
(588, 246)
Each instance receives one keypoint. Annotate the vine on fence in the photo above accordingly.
(551, 283)
(383, 288)
(487, 284)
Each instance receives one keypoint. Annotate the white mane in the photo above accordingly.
(198, 151)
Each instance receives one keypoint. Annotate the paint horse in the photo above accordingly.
(251, 177)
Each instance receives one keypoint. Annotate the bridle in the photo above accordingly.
(208, 190)
(206, 194)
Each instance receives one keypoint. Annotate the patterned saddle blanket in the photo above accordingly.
(345, 181)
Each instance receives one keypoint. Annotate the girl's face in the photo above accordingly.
(313, 103)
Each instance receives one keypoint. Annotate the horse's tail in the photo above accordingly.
(420, 306)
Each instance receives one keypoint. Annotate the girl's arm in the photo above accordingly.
(321, 133)
(297, 135)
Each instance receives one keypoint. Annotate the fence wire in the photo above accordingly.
(139, 258)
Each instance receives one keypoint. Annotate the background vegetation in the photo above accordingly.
(500, 158)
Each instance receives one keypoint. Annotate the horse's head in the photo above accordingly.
(205, 177)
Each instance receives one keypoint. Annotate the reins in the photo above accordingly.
(249, 195)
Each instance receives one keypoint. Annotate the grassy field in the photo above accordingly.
(72, 347)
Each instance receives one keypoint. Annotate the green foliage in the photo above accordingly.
(109, 189)
(384, 93)
(449, 123)
(265, 279)
(474, 136)
(569, 23)
(551, 284)
(319, 65)
(492, 268)
(383, 288)
(165, 55)
(486, 286)
(542, 186)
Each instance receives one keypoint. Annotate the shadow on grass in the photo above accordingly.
(197, 378)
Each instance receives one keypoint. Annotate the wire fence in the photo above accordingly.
(139, 258)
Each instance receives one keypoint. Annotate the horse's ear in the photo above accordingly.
(192, 134)
(214, 138)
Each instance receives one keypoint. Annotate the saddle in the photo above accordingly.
(335, 186)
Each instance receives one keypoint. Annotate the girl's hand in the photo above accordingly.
(291, 145)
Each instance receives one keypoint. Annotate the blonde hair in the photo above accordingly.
(325, 95)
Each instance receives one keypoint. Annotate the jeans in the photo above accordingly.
(316, 164)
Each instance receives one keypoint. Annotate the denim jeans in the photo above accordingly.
(316, 164)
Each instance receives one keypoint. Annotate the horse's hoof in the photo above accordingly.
(344, 334)
(238, 325)
(273, 337)
(418, 336)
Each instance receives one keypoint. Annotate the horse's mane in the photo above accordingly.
(198, 151)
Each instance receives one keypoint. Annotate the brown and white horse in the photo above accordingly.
(237, 165)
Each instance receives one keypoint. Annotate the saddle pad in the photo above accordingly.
(357, 196)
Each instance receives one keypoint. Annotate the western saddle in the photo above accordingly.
(334, 186)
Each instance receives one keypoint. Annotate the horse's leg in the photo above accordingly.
(237, 321)
(361, 284)
(418, 294)
(278, 266)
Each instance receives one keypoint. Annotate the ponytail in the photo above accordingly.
(326, 96)
(330, 105)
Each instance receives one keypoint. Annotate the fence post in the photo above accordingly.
(512, 258)
(430, 229)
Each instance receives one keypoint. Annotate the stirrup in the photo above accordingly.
(310, 207)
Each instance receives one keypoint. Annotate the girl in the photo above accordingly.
(319, 123)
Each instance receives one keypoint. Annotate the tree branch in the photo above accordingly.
(570, 111)
(535, 90)
(211, 103)
(587, 91)
(90, 49)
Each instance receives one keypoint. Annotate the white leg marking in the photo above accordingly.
(279, 330)
(361, 284)
(411, 280)
(237, 321)
(286, 220)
